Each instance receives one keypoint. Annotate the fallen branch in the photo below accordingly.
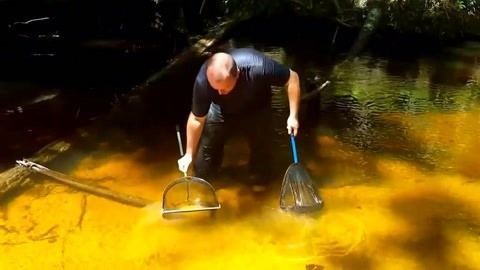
(315, 92)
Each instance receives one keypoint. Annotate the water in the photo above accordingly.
(392, 144)
(46, 98)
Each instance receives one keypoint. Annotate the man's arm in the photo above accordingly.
(195, 126)
(279, 75)
(293, 91)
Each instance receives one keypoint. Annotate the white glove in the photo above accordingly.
(292, 125)
(184, 163)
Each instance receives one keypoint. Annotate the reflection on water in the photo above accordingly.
(392, 145)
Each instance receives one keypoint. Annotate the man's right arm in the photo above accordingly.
(201, 100)
(195, 126)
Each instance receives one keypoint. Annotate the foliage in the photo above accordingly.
(443, 18)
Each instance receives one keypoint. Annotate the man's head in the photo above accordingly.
(222, 73)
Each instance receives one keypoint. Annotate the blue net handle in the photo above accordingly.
(294, 148)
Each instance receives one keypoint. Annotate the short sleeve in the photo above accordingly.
(201, 99)
(275, 73)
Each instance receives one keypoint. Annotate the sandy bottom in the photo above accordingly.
(380, 213)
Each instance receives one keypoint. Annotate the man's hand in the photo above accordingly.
(184, 163)
(292, 125)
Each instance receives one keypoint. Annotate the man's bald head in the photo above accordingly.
(222, 72)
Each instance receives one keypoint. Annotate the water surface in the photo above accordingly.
(392, 144)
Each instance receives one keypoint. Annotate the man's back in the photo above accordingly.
(257, 73)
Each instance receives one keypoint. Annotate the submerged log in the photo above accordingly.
(89, 188)
(19, 177)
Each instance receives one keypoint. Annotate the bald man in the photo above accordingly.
(232, 93)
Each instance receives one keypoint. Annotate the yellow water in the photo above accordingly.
(406, 218)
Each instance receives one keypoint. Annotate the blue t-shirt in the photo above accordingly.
(252, 91)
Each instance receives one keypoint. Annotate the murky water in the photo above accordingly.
(391, 143)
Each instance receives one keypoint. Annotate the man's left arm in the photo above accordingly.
(293, 91)
(280, 75)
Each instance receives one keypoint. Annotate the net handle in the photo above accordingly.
(294, 148)
(180, 146)
(179, 139)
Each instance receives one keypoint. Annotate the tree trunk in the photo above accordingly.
(367, 31)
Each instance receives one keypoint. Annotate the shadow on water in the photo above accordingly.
(354, 261)
(431, 216)
(65, 63)
(36, 111)
(404, 68)
(164, 100)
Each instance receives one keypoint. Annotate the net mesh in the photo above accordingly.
(298, 191)
(189, 193)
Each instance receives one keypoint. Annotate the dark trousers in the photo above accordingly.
(256, 126)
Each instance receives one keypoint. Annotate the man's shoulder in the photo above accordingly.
(248, 57)
(202, 74)
(245, 52)
(201, 81)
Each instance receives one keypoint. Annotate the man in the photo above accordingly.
(232, 92)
